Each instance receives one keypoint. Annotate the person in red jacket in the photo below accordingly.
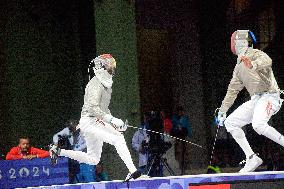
(168, 125)
(25, 151)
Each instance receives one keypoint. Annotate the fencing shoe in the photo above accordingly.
(251, 164)
(133, 176)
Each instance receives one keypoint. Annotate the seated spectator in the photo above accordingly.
(25, 151)
(101, 175)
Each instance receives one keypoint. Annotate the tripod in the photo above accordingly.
(156, 164)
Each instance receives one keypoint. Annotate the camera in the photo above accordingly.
(145, 145)
(156, 144)
(63, 142)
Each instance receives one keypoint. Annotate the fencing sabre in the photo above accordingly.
(176, 138)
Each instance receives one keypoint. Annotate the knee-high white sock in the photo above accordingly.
(124, 154)
(239, 136)
(274, 135)
(82, 157)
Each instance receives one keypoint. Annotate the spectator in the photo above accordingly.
(101, 175)
(139, 143)
(71, 139)
(25, 151)
(168, 126)
(170, 154)
(86, 173)
(181, 129)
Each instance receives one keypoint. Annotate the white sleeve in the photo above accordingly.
(64, 132)
(235, 86)
(261, 60)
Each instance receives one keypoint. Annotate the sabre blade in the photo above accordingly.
(176, 138)
(213, 148)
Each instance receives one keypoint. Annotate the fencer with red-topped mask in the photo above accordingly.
(97, 125)
(253, 71)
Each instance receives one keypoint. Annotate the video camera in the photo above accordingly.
(156, 145)
(63, 142)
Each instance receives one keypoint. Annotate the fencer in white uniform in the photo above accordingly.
(97, 125)
(252, 71)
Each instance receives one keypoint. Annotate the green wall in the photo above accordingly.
(43, 84)
(116, 34)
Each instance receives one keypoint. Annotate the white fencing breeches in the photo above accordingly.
(257, 111)
(96, 132)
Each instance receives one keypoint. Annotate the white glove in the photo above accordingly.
(107, 118)
(221, 117)
(118, 124)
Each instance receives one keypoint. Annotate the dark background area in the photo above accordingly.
(194, 57)
(45, 50)
(183, 54)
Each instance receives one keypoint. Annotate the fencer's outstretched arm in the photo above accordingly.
(260, 60)
(234, 88)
